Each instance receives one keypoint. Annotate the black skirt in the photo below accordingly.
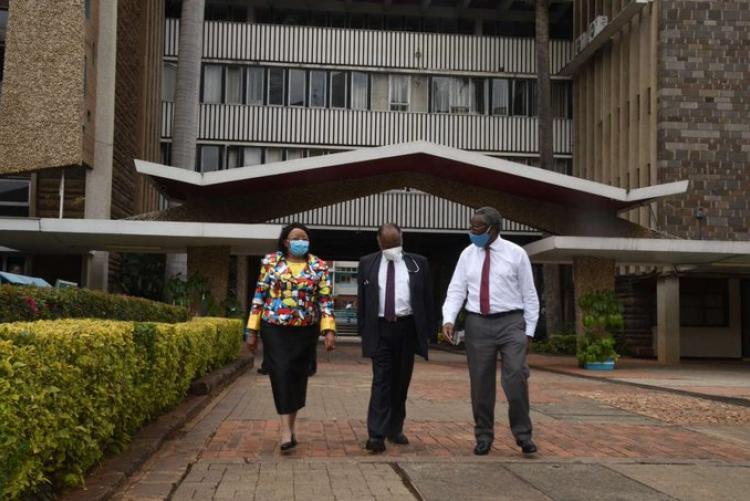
(287, 354)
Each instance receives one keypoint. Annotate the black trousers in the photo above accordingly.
(392, 367)
(287, 352)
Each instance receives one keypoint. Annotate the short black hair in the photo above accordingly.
(385, 226)
(286, 230)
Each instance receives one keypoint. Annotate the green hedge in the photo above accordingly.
(72, 391)
(557, 344)
(20, 304)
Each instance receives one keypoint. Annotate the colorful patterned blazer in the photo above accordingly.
(292, 295)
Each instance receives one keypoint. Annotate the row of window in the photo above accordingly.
(233, 12)
(212, 157)
(257, 85)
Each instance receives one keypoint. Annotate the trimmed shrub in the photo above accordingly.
(19, 304)
(72, 391)
(557, 344)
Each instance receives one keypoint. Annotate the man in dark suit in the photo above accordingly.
(395, 317)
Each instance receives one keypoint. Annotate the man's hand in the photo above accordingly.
(252, 340)
(448, 331)
(329, 340)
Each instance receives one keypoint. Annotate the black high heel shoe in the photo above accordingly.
(287, 446)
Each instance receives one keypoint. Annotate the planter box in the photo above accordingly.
(600, 366)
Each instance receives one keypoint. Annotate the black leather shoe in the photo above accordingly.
(262, 371)
(287, 446)
(375, 445)
(527, 446)
(482, 447)
(399, 439)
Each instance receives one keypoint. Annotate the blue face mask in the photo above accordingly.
(480, 240)
(299, 247)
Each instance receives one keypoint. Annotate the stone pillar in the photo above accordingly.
(591, 274)
(98, 203)
(668, 319)
(242, 290)
(552, 298)
(212, 263)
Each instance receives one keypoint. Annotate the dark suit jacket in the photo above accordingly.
(422, 301)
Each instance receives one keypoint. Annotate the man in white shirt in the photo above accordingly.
(395, 317)
(494, 277)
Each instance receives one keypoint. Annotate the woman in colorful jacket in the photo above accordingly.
(292, 306)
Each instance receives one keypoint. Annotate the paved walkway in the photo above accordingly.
(725, 378)
(597, 441)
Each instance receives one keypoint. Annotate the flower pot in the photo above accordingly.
(607, 365)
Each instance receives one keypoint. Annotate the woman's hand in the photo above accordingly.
(252, 340)
(330, 340)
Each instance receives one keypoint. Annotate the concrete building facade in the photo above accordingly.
(655, 92)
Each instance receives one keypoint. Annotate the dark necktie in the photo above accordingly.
(390, 293)
(484, 289)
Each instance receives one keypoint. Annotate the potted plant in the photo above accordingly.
(601, 313)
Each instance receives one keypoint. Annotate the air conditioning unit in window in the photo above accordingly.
(582, 41)
(597, 25)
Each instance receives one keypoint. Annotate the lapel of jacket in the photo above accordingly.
(374, 271)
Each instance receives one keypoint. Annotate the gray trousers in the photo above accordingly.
(484, 338)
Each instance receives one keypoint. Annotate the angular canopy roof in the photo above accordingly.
(79, 236)
(646, 251)
(451, 164)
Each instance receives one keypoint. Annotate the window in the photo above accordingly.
(274, 155)
(338, 89)
(233, 85)
(168, 81)
(255, 85)
(704, 302)
(399, 92)
(441, 88)
(166, 153)
(500, 96)
(360, 84)
(294, 153)
(296, 88)
(14, 196)
(524, 98)
(210, 157)
(457, 95)
(212, 83)
(318, 92)
(276, 86)
(252, 156)
(233, 157)
(562, 100)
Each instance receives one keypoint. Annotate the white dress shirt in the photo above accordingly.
(403, 297)
(511, 283)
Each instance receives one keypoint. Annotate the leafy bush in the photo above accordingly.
(19, 304)
(73, 390)
(557, 344)
(602, 316)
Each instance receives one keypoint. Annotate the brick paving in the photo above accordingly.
(231, 450)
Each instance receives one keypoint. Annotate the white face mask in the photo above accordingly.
(393, 254)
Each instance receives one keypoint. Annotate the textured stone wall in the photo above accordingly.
(139, 27)
(704, 116)
(42, 102)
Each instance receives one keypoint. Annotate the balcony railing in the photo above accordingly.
(414, 210)
(365, 48)
(357, 128)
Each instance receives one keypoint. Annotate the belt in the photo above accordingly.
(398, 319)
(495, 315)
